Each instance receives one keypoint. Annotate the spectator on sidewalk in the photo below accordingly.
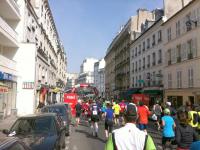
(185, 134)
(168, 129)
(143, 113)
(130, 137)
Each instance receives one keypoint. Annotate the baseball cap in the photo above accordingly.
(131, 110)
(167, 111)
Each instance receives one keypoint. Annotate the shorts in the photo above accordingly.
(121, 114)
(78, 114)
(142, 126)
(109, 125)
(167, 139)
(117, 116)
(94, 118)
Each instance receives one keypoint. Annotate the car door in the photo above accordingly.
(60, 129)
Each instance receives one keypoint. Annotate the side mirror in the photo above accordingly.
(5, 131)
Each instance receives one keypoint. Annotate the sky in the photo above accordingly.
(87, 27)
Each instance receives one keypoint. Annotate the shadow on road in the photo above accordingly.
(88, 135)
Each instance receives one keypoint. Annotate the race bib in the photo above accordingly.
(94, 112)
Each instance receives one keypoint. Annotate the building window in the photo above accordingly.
(143, 46)
(139, 64)
(169, 34)
(178, 53)
(154, 59)
(140, 48)
(169, 57)
(136, 65)
(148, 43)
(159, 56)
(189, 47)
(144, 63)
(135, 51)
(148, 61)
(133, 68)
(159, 36)
(169, 80)
(179, 79)
(178, 29)
(190, 77)
(153, 40)
(139, 80)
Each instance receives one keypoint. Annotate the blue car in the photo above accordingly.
(40, 131)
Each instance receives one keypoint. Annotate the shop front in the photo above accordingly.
(8, 89)
(179, 97)
(42, 95)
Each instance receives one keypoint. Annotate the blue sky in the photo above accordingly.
(87, 27)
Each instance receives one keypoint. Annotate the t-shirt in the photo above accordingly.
(122, 106)
(168, 128)
(94, 110)
(116, 109)
(195, 146)
(109, 113)
(143, 113)
(78, 108)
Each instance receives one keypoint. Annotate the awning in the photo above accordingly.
(153, 92)
(3, 88)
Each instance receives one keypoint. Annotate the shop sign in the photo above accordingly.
(5, 76)
(3, 89)
(28, 85)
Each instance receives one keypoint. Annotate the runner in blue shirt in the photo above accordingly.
(109, 115)
(168, 128)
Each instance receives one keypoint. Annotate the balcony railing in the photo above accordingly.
(43, 54)
(15, 5)
(8, 63)
(8, 29)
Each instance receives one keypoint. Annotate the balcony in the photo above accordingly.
(43, 54)
(9, 66)
(178, 59)
(190, 56)
(9, 9)
(7, 35)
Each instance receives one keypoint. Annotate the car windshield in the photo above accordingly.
(59, 110)
(33, 125)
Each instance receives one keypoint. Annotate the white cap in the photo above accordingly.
(168, 103)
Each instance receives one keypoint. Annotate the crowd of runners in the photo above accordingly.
(179, 127)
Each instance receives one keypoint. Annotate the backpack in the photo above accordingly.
(157, 110)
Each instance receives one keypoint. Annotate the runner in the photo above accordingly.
(94, 118)
(109, 116)
(78, 108)
(157, 110)
(130, 137)
(116, 109)
(122, 110)
(143, 113)
(168, 129)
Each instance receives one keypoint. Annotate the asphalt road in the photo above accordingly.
(81, 138)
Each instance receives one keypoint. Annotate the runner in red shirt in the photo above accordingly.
(122, 110)
(143, 113)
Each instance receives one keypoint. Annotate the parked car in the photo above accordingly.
(60, 109)
(12, 143)
(69, 111)
(39, 131)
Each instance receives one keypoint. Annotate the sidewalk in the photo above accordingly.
(7, 123)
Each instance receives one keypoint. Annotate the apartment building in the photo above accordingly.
(87, 71)
(9, 19)
(71, 80)
(146, 63)
(117, 58)
(41, 58)
(99, 77)
(182, 51)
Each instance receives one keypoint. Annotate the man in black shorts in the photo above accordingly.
(78, 108)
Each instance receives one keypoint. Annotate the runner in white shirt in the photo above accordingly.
(130, 137)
